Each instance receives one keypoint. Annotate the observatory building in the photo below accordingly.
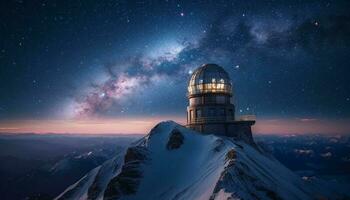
(211, 109)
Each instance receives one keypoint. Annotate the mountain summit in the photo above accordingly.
(173, 162)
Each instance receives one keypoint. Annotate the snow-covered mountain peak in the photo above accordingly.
(173, 162)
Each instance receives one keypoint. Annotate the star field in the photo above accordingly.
(83, 59)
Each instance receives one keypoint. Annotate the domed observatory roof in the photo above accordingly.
(209, 78)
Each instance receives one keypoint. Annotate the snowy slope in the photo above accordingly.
(173, 162)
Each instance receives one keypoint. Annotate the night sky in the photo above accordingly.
(74, 60)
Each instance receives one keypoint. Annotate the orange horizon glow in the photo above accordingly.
(302, 126)
(142, 125)
(85, 126)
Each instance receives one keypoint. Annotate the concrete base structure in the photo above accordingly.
(236, 129)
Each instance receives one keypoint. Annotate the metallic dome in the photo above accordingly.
(209, 78)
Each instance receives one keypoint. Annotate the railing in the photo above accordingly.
(222, 119)
(247, 118)
(211, 119)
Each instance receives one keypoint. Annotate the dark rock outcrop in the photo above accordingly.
(176, 139)
(127, 182)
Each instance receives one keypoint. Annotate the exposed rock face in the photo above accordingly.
(231, 155)
(95, 188)
(127, 181)
(176, 140)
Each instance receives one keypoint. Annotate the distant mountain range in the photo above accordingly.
(44, 165)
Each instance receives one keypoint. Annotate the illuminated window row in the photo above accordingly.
(209, 88)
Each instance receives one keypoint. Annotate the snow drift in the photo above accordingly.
(173, 163)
